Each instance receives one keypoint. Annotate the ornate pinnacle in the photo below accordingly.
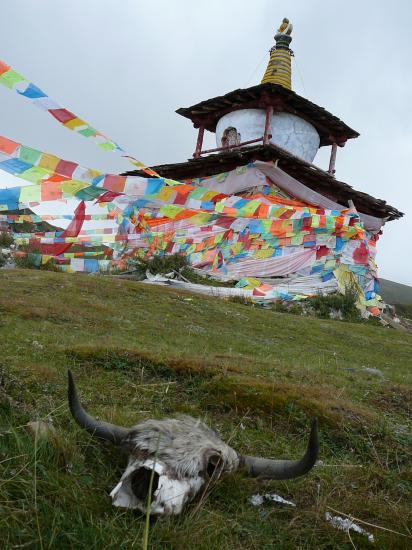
(286, 27)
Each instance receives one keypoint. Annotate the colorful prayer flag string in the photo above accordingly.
(13, 80)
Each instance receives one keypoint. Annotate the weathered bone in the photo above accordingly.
(178, 456)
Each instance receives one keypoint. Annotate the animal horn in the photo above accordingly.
(104, 430)
(284, 469)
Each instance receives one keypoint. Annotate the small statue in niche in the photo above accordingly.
(230, 138)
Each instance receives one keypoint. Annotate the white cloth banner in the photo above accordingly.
(271, 267)
(301, 192)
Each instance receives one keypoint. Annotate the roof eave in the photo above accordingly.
(208, 112)
(310, 175)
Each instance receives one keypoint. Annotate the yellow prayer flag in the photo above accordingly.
(264, 253)
(49, 162)
(71, 187)
(75, 123)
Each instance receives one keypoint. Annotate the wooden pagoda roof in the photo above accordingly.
(313, 177)
(207, 113)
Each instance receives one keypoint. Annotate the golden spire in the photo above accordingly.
(279, 67)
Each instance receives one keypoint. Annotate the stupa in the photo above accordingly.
(267, 137)
(269, 122)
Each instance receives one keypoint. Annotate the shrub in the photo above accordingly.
(30, 260)
(6, 239)
(162, 264)
(200, 279)
(324, 306)
(159, 264)
(165, 264)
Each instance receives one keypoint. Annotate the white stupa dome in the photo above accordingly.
(289, 131)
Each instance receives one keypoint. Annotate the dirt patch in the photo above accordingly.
(394, 398)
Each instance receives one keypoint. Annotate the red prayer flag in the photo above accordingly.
(72, 230)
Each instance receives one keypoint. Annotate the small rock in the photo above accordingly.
(41, 429)
(373, 372)
(336, 314)
(256, 500)
(196, 329)
(279, 500)
(36, 344)
(346, 524)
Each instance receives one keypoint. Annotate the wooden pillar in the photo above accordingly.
(268, 125)
(332, 160)
(199, 143)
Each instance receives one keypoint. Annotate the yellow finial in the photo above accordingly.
(286, 27)
(279, 67)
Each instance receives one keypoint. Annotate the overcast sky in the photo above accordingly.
(126, 65)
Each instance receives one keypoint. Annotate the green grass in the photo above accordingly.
(254, 374)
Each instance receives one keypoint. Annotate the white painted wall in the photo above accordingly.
(289, 131)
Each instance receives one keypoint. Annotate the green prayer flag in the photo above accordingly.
(29, 155)
(30, 193)
(35, 174)
(10, 78)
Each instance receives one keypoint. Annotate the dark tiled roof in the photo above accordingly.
(306, 173)
(207, 113)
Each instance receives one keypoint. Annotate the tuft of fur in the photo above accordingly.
(183, 444)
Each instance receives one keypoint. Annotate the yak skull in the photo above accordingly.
(171, 460)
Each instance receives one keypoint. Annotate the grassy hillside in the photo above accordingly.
(256, 375)
(395, 293)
